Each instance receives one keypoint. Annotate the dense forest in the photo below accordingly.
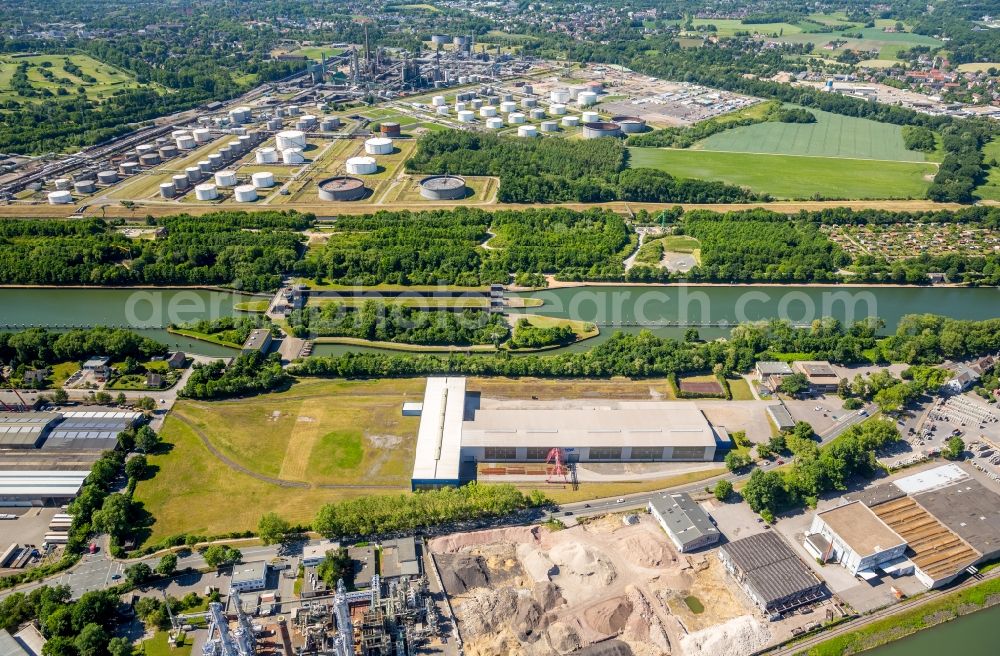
(382, 322)
(38, 347)
(559, 170)
(215, 249)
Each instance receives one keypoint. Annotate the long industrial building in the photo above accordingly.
(459, 429)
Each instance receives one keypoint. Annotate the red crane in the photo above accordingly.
(554, 467)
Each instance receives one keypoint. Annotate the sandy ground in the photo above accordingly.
(532, 591)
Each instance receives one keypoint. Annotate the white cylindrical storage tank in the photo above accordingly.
(84, 187)
(246, 143)
(63, 184)
(487, 111)
(180, 181)
(460, 107)
(549, 126)
(274, 124)
(570, 121)
(466, 116)
(574, 92)
(185, 142)
(438, 101)
(378, 146)
(590, 117)
(214, 161)
(528, 89)
(290, 139)
(507, 97)
(308, 119)
(361, 165)
(515, 118)
(294, 110)
(245, 194)
(477, 103)
(507, 107)
(528, 103)
(193, 173)
(559, 96)
(235, 147)
(586, 98)
(177, 133)
(61, 197)
(167, 190)
(168, 151)
(129, 167)
(292, 156)
(537, 114)
(206, 191)
(557, 110)
(266, 156)
(225, 178)
(204, 166)
(145, 148)
(202, 135)
(443, 110)
(527, 131)
(494, 123)
(149, 159)
(226, 153)
(262, 179)
(107, 177)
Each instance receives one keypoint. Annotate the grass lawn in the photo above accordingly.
(978, 66)
(399, 346)
(740, 389)
(430, 302)
(990, 189)
(832, 135)
(205, 337)
(583, 329)
(314, 432)
(253, 306)
(62, 371)
(158, 646)
(793, 176)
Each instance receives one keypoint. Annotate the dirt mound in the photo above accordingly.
(535, 563)
(737, 637)
(609, 617)
(528, 622)
(646, 551)
(486, 611)
(607, 648)
(563, 638)
(462, 572)
(548, 596)
(458, 541)
(578, 561)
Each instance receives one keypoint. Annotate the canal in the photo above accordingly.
(665, 310)
(970, 635)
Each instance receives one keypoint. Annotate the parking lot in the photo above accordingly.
(29, 528)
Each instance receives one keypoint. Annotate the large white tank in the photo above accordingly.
(178, 133)
(438, 101)
(586, 98)
(245, 194)
(63, 184)
(557, 110)
(202, 135)
(549, 126)
(193, 173)
(443, 110)
(185, 142)
(515, 118)
(494, 123)
(225, 178)
(466, 116)
(61, 197)
(107, 177)
(537, 114)
(560, 96)
(487, 111)
(507, 107)
(527, 131)
(570, 121)
(262, 179)
(290, 139)
(528, 103)
(308, 120)
(215, 161)
(460, 107)
(180, 181)
(361, 165)
(167, 190)
(267, 156)
(590, 117)
(206, 191)
(204, 165)
(292, 156)
(378, 146)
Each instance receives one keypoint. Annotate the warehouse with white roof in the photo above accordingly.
(459, 430)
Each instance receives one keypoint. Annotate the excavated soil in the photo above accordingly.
(609, 617)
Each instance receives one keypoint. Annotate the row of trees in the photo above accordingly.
(39, 347)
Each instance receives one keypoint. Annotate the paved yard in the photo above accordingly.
(749, 416)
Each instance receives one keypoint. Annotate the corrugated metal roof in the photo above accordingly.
(770, 567)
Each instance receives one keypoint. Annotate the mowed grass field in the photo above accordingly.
(793, 176)
(109, 79)
(319, 432)
(832, 135)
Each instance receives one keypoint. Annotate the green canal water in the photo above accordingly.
(629, 308)
(970, 635)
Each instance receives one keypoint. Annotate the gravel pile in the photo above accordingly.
(737, 637)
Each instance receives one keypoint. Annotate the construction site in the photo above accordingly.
(614, 585)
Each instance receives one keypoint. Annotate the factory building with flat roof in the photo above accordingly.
(855, 537)
(458, 430)
(770, 573)
(686, 524)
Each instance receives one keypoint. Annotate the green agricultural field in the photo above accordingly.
(109, 79)
(730, 26)
(832, 135)
(793, 176)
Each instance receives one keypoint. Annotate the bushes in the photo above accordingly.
(250, 373)
(529, 336)
(919, 138)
